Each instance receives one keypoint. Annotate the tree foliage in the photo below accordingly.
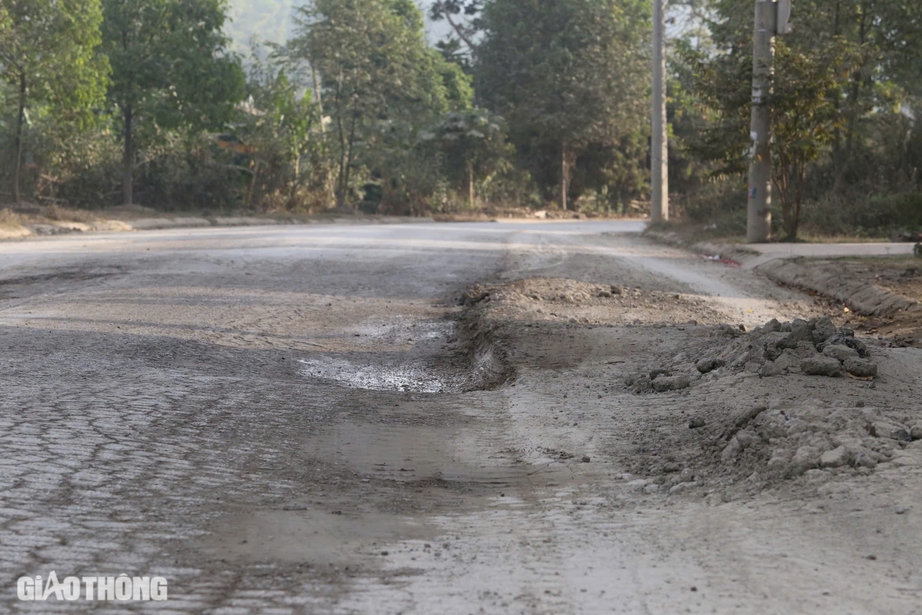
(473, 144)
(463, 16)
(379, 78)
(567, 75)
(282, 128)
(836, 92)
(169, 67)
(49, 59)
(524, 103)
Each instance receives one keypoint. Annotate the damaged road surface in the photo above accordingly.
(498, 418)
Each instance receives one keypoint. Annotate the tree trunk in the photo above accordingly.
(340, 190)
(20, 121)
(470, 184)
(564, 176)
(252, 189)
(128, 160)
(316, 81)
(347, 171)
(854, 96)
(295, 185)
(338, 103)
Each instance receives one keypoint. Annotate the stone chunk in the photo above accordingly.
(729, 330)
(730, 452)
(900, 434)
(823, 329)
(708, 365)
(840, 352)
(834, 458)
(861, 368)
(799, 333)
(859, 346)
(674, 383)
(821, 366)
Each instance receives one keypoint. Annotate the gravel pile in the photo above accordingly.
(786, 438)
(814, 348)
(790, 442)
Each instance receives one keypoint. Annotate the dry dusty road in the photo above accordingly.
(441, 419)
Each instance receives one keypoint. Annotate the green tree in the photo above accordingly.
(377, 73)
(169, 67)
(566, 74)
(48, 56)
(282, 123)
(845, 86)
(473, 142)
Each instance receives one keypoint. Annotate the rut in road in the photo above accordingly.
(452, 356)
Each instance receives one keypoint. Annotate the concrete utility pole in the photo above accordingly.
(659, 156)
(772, 17)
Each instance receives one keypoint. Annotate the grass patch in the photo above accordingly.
(896, 261)
(56, 213)
(693, 232)
(9, 219)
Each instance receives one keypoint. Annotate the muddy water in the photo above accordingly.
(418, 378)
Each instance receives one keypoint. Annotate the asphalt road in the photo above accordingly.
(280, 420)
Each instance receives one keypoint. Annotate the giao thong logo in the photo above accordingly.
(122, 588)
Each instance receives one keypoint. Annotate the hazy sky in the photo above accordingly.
(436, 31)
(245, 23)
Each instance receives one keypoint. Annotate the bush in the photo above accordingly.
(860, 215)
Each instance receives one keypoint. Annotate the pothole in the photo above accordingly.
(478, 362)
(399, 378)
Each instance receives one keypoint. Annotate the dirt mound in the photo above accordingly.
(864, 296)
(791, 436)
(545, 290)
(764, 447)
(573, 301)
(725, 410)
(786, 443)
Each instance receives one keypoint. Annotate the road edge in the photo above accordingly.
(52, 228)
(864, 299)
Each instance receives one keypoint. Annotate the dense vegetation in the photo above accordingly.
(529, 103)
(847, 98)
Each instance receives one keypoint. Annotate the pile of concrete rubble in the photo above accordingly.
(815, 348)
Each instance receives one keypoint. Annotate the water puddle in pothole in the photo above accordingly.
(398, 378)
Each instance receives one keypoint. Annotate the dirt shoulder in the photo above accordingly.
(35, 221)
(877, 295)
(701, 241)
(885, 294)
(46, 221)
(875, 290)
